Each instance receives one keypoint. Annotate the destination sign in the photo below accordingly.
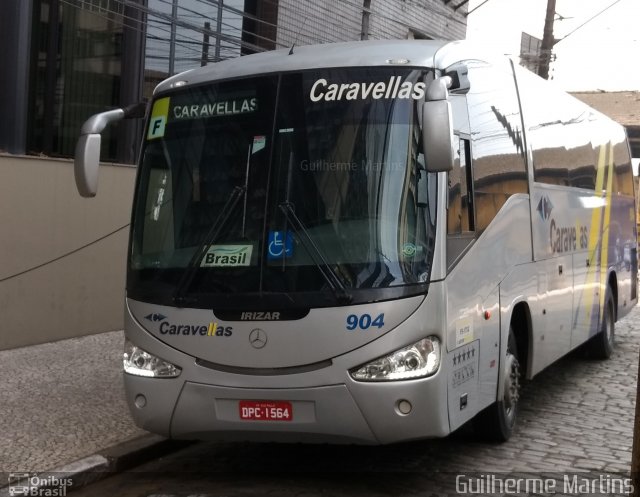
(214, 109)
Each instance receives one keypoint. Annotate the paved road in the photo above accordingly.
(577, 416)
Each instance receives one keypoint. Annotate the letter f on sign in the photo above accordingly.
(156, 127)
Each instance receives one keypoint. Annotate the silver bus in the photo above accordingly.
(365, 242)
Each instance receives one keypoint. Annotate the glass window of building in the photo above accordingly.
(75, 72)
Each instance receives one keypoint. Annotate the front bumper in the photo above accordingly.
(352, 412)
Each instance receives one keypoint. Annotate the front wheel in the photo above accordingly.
(497, 422)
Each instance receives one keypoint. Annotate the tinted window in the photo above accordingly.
(242, 192)
(560, 132)
(497, 148)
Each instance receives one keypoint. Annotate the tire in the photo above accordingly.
(496, 423)
(601, 345)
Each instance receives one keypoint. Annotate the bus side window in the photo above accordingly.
(460, 214)
(499, 168)
(454, 213)
(623, 178)
(468, 204)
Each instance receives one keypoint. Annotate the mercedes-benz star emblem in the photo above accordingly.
(258, 338)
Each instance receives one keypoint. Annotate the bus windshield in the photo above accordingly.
(310, 183)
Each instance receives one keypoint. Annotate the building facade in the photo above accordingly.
(73, 58)
(64, 60)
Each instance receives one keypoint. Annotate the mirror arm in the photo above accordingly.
(98, 122)
(439, 89)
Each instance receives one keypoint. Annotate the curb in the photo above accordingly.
(107, 462)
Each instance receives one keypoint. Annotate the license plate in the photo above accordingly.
(265, 410)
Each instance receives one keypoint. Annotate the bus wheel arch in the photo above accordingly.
(520, 322)
(613, 288)
(497, 422)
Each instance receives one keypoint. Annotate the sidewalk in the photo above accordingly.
(62, 401)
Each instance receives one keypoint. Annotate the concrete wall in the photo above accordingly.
(42, 218)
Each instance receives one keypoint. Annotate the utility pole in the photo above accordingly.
(366, 14)
(548, 40)
(216, 57)
(205, 44)
(172, 40)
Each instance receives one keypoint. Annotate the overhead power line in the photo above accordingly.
(186, 35)
(587, 21)
(476, 8)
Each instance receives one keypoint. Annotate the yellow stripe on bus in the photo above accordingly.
(594, 237)
(604, 253)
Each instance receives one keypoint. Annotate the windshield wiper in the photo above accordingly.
(212, 235)
(335, 283)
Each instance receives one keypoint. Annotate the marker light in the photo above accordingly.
(415, 361)
(398, 61)
(140, 363)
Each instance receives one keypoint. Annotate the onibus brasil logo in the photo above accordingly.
(38, 485)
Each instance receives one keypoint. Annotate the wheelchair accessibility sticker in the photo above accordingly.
(280, 245)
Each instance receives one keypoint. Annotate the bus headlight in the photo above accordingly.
(415, 361)
(140, 363)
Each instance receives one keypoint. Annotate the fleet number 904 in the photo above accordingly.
(364, 321)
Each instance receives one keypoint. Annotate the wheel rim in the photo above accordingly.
(511, 387)
(608, 326)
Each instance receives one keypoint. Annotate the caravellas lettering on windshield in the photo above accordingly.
(394, 88)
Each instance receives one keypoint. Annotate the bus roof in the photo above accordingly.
(419, 53)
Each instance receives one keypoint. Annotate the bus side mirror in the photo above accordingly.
(87, 154)
(437, 129)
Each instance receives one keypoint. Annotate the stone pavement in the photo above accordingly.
(578, 415)
(62, 401)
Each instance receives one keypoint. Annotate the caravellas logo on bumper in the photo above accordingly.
(213, 329)
(210, 330)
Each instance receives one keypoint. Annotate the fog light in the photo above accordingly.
(140, 401)
(404, 407)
